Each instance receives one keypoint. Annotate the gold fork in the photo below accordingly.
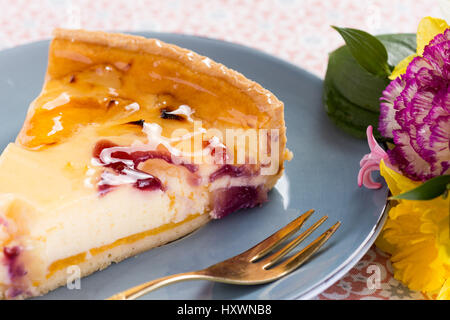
(252, 266)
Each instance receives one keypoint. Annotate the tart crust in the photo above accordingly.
(266, 101)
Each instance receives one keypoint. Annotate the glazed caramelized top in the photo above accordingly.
(116, 86)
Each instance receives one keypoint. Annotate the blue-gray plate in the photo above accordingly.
(322, 176)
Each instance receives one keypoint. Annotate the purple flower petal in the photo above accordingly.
(421, 105)
(402, 103)
(415, 112)
(407, 159)
(440, 107)
(440, 143)
(418, 63)
(438, 57)
(387, 121)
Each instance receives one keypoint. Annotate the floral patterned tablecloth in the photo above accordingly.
(283, 28)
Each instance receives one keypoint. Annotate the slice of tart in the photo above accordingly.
(132, 143)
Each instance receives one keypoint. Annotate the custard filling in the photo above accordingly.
(82, 257)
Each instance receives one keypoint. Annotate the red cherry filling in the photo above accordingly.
(16, 271)
(224, 201)
(232, 171)
(11, 253)
(219, 153)
(141, 180)
(228, 200)
(15, 268)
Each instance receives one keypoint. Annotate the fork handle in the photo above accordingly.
(142, 289)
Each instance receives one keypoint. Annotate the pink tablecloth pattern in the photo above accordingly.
(296, 30)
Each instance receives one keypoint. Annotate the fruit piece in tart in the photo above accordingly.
(126, 149)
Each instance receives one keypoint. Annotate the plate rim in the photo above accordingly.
(347, 265)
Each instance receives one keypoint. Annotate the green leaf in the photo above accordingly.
(353, 82)
(351, 94)
(346, 115)
(368, 51)
(429, 190)
(399, 46)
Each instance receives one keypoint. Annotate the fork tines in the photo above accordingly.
(261, 252)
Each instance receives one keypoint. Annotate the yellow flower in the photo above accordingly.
(416, 234)
(445, 292)
(428, 28)
(401, 67)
